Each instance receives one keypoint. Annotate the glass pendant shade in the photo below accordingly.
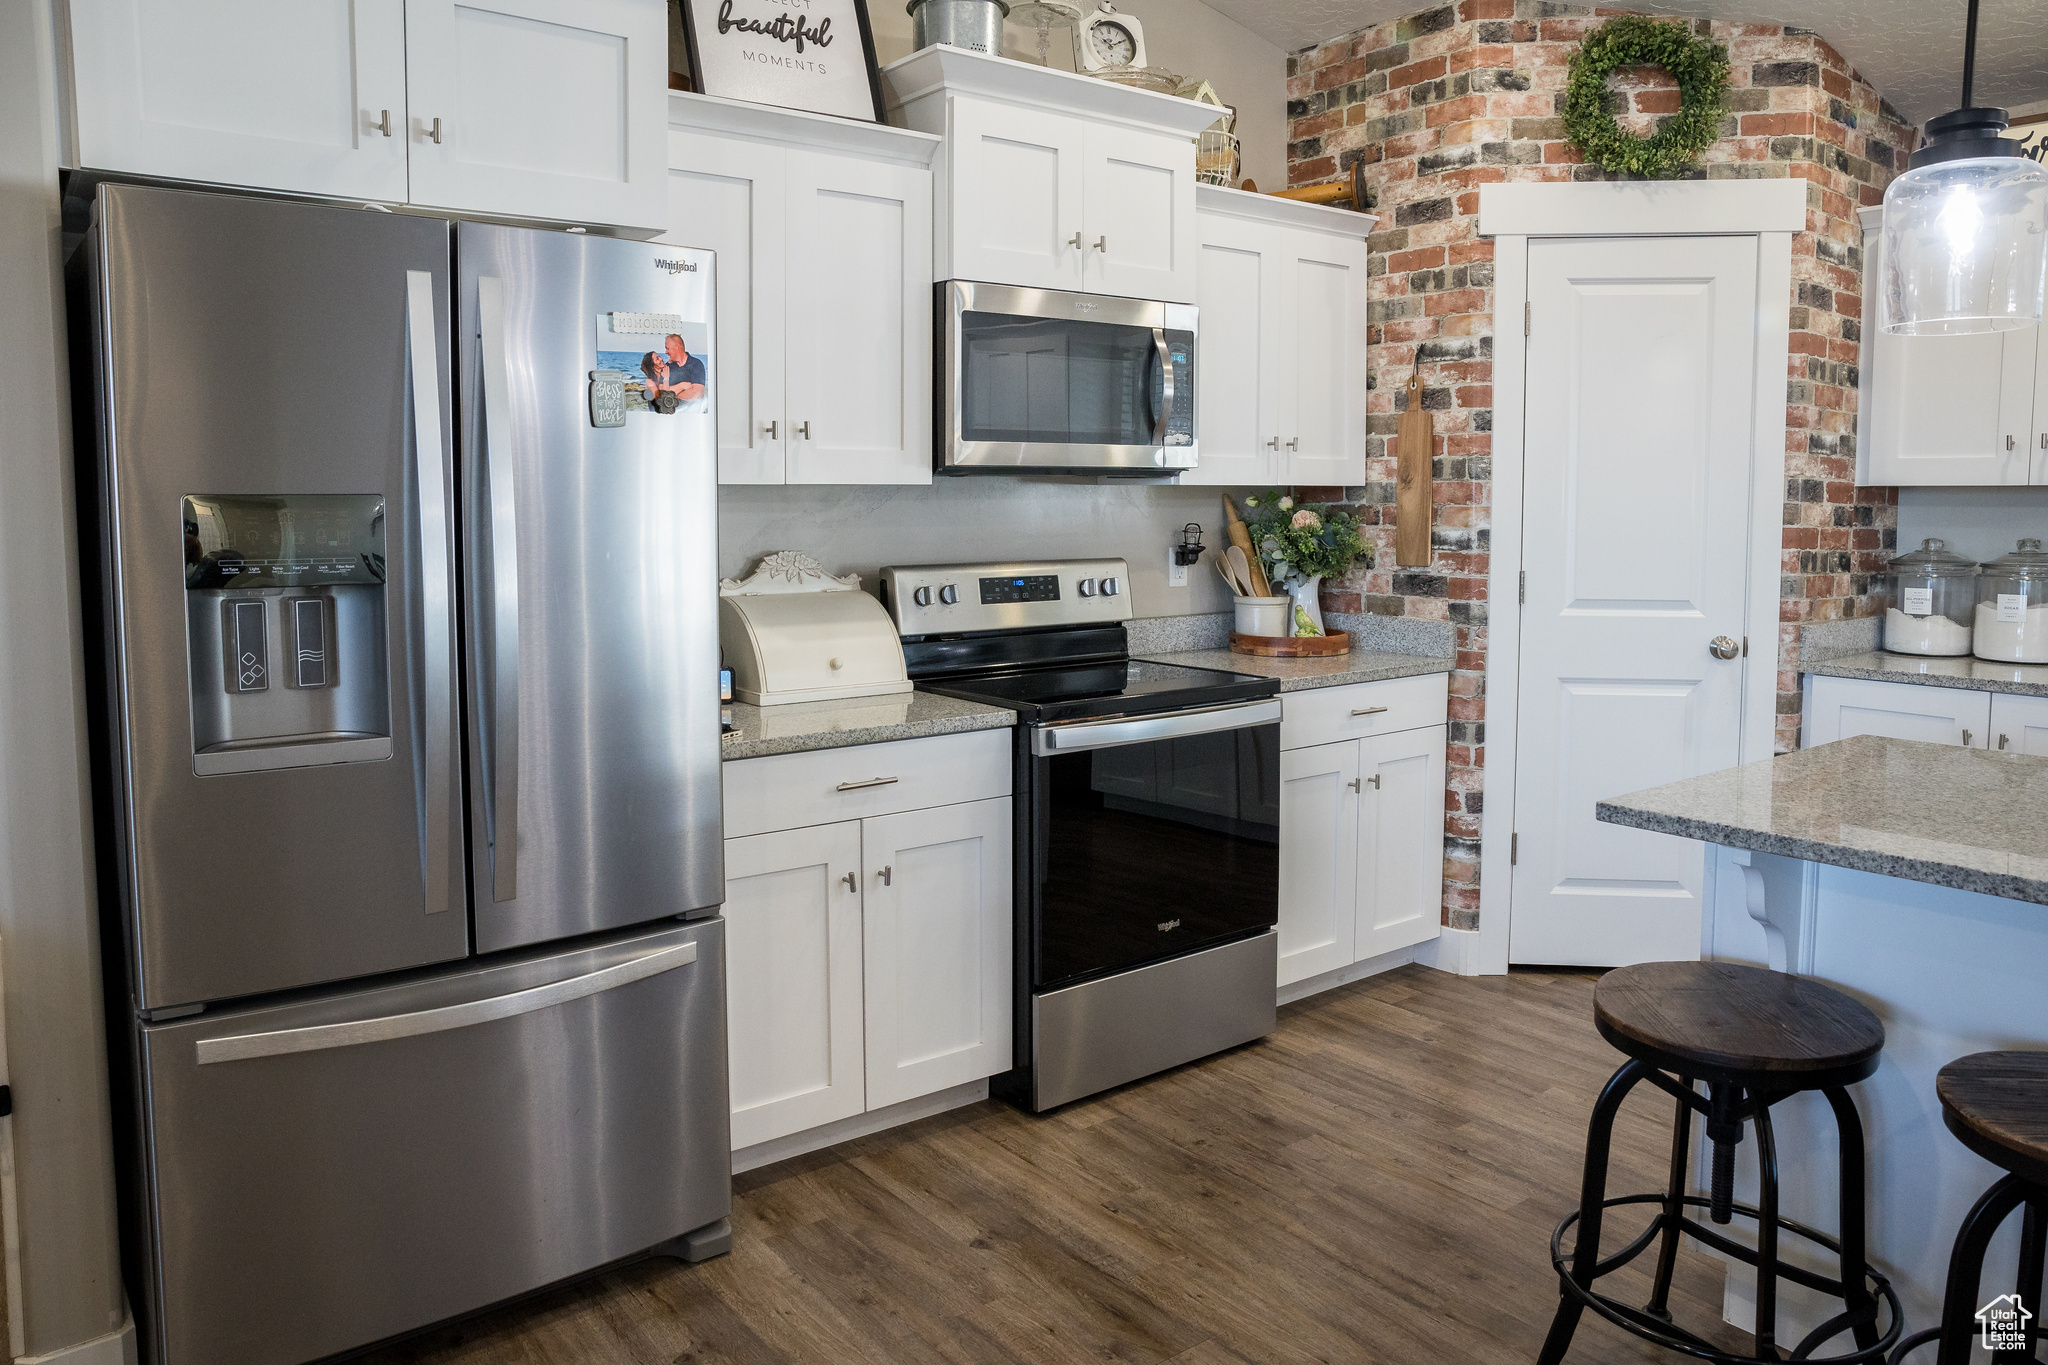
(1965, 241)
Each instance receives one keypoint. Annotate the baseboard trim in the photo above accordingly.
(1455, 951)
(846, 1129)
(115, 1348)
(1344, 976)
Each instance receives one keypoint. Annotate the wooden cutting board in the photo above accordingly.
(1414, 502)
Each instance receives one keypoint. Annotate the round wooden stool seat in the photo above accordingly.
(1996, 1103)
(1719, 1021)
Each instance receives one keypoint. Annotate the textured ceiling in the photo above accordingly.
(1911, 50)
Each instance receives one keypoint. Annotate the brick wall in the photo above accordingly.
(1451, 98)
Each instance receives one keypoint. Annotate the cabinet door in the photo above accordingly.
(937, 948)
(553, 109)
(2019, 725)
(793, 980)
(1237, 368)
(727, 196)
(1013, 209)
(1842, 708)
(1322, 321)
(236, 92)
(859, 308)
(2038, 428)
(1400, 841)
(1318, 859)
(1139, 229)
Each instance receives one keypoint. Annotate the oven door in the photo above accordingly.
(1150, 838)
(1038, 379)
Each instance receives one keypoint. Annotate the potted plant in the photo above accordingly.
(1300, 544)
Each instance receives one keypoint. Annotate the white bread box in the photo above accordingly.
(792, 632)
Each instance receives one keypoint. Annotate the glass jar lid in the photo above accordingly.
(2029, 560)
(1934, 559)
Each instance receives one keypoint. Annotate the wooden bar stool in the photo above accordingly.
(1996, 1103)
(1752, 1037)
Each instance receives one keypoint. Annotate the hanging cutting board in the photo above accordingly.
(1414, 502)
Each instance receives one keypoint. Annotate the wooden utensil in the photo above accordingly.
(1414, 499)
(1222, 562)
(1241, 572)
(1241, 537)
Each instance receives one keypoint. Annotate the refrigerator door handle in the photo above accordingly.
(503, 751)
(424, 385)
(384, 1028)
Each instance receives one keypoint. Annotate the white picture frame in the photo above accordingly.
(813, 55)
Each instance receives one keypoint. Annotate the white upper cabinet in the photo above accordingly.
(229, 92)
(1279, 384)
(529, 109)
(548, 109)
(1056, 181)
(1947, 410)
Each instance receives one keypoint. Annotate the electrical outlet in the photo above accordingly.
(1176, 572)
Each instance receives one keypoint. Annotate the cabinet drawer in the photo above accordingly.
(1328, 714)
(787, 791)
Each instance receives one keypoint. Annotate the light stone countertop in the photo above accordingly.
(1965, 818)
(1300, 675)
(1976, 675)
(762, 730)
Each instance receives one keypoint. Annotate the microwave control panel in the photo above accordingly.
(1180, 417)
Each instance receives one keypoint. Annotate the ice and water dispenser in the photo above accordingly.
(285, 631)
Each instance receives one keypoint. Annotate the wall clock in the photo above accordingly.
(1108, 39)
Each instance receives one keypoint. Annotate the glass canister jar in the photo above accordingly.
(2012, 607)
(1934, 598)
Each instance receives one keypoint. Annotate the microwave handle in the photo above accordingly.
(1165, 386)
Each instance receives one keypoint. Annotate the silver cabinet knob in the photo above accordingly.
(1087, 587)
(1102, 245)
(383, 125)
(803, 430)
(1966, 739)
(1075, 242)
(949, 594)
(852, 882)
(1721, 647)
(433, 132)
(888, 876)
(1294, 444)
(1109, 587)
(770, 428)
(1273, 444)
(923, 597)
(2004, 740)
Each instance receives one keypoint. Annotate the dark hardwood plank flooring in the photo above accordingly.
(1376, 1182)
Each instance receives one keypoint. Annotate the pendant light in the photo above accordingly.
(1966, 227)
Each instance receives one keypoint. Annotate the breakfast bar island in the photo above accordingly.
(1914, 877)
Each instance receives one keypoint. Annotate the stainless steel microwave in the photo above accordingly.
(1045, 381)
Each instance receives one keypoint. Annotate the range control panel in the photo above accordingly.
(947, 599)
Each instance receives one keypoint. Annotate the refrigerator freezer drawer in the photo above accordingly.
(334, 1172)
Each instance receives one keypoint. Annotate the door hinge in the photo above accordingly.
(1522, 589)
(1525, 317)
(1514, 849)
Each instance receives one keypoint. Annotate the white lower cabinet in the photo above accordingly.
(2019, 725)
(1842, 708)
(1318, 859)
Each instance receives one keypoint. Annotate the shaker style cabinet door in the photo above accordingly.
(1238, 375)
(1319, 858)
(728, 196)
(1015, 205)
(2019, 725)
(552, 109)
(858, 291)
(793, 980)
(1842, 708)
(236, 92)
(938, 942)
(1138, 230)
(1323, 340)
(1400, 840)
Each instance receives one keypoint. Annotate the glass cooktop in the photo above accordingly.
(1115, 688)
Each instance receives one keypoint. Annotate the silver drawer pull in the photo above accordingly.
(852, 882)
(871, 782)
(1369, 711)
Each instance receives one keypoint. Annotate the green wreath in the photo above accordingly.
(1698, 65)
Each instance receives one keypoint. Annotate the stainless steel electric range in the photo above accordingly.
(1148, 820)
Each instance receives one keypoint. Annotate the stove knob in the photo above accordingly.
(1109, 587)
(1087, 587)
(923, 597)
(949, 594)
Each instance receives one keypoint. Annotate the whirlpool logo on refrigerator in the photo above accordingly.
(676, 267)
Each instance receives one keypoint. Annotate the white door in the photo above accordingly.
(937, 948)
(1016, 205)
(1400, 841)
(727, 196)
(1637, 440)
(793, 980)
(2019, 725)
(1319, 858)
(1139, 215)
(551, 109)
(1238, 375)
(1323, 337)
(1842, 708)
(244, 92)
(858, 302)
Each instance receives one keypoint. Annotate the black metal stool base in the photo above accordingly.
(1958, 1328)
(1658, 1328)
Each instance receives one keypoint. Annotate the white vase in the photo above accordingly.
(1308, 596)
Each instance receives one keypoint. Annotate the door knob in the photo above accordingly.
(1721, 647)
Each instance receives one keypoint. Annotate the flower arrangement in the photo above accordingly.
(1300, 541)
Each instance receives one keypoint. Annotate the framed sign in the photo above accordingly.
(814, 55)
(2032, 132)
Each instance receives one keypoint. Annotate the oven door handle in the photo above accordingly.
(1105, 734)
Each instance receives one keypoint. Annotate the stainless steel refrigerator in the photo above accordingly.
(403, 538)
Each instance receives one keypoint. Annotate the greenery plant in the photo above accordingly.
(1298, 541)
(1699, 65)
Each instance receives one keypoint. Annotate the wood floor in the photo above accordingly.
(1376, 1182)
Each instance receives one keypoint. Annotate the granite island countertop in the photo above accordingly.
(1970, 819)
(762, 730)
(1300, 675)
(1966, 671)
